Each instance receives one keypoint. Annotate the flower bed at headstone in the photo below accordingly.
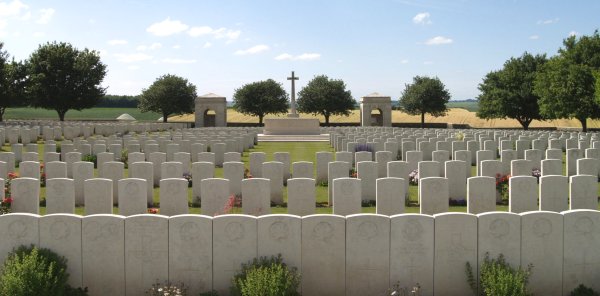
(6, 202)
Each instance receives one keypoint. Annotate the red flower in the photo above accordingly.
(153, 211)
(7, 200)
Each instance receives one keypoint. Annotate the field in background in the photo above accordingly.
(458, 115)
(86, 114)
(455, 115)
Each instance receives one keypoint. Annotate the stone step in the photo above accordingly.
(293, 138)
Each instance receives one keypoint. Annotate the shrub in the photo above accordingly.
(33, 271)
(167, 289)
(266, 276)
(582, 290)
(125, 157)
(91, 158)
(497, 278)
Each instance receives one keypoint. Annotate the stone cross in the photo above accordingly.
(293, 104)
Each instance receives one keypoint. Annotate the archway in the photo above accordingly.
(376, 117)
(209, 118)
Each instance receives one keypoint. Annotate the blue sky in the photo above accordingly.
(374, 46)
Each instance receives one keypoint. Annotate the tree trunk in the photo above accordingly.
(524, 123)
(583, 124)
(165, 117)
(422, 119)
(61, 115)
(2, 114)
(260, 119)
(326, 119)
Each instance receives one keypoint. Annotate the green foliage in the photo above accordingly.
(497, 278)
(169, 94)
(508, 93)
(33, 271)
(91, 158)
(266, 277)
(567, 84)
(125, 157)
(326, 97)
(62, 78)
(425, 95)
(582, 290)
(113, 101)
(167, 288)
(566, 90)
(12, 83)
(261, 98)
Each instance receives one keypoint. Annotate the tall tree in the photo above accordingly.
(62, 78)
(261, 98)
(12, 86)
(508, 93)
(567, 84)
(169, 94)
(566, 90)
(425, 95)
(326, 97)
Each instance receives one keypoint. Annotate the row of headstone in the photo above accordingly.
(363, 254)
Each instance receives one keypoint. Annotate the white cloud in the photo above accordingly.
(404, 62)
(548, 22)
(176, 46)
(2, 24)
(133, 57)
(199, 31)
(428, 63)
(117, 42)
(284, 56)
(573, 33)
(133, 67)
(38, 34)
(301, 57)
(152, 46)
(253, 50)
(167, 27)
(45, 16)
(220, 33)
(12, 9)
(438, 40)
(534, 37)
(178, 61)
(422, 18)
(207, 45)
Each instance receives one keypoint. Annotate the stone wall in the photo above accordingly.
(362, 254)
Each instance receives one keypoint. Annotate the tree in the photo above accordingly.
(425, 95)
(12, 86)
(508, 93)
(62, 78)
(326, 97)
(169, 94)
(567, 83)
(261, 98)
(566, 90)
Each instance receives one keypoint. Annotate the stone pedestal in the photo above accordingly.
(291, 126)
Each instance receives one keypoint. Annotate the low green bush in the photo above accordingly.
(32, 271)
(497, 278)
(266, 277)
(582, 290)
(167, 288)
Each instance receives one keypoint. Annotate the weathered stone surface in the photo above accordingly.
(173, 196)
(60, 196)
(215, 196)
(98, 196)
(301, 196)
(581, 251)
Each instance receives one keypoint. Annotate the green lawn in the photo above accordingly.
(86, 114)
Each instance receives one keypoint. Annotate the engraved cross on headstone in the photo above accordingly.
(293, 104)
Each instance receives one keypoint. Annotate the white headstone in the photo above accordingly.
(281, 234)
(301, 196)
(554, 193)
(390, 196)
(234, 243)
(61, 233)
(433, 195)
(346, 196)
(522, 194)
(60, 196)
(144, 170)
(103, 254)
(256, 196)
(132, 196)
(173, 196)
(323, 255)
(542, 246)
(273, 170)
(26, 195)
(481, 194)
(581, 263)
(455, 245)
(367, 254)
(583, 192)
(215, 196)
(190, 252)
